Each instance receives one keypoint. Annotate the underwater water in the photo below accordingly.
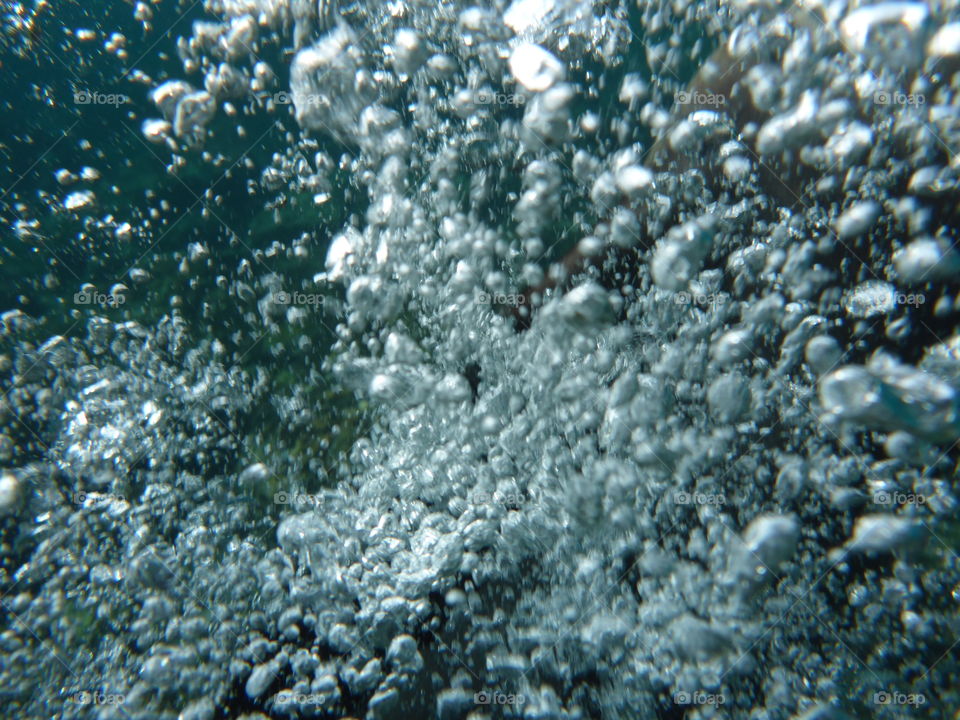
(544, 359)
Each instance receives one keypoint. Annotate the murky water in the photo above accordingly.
(544, 359)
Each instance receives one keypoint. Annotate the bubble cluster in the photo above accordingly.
(548, 360)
